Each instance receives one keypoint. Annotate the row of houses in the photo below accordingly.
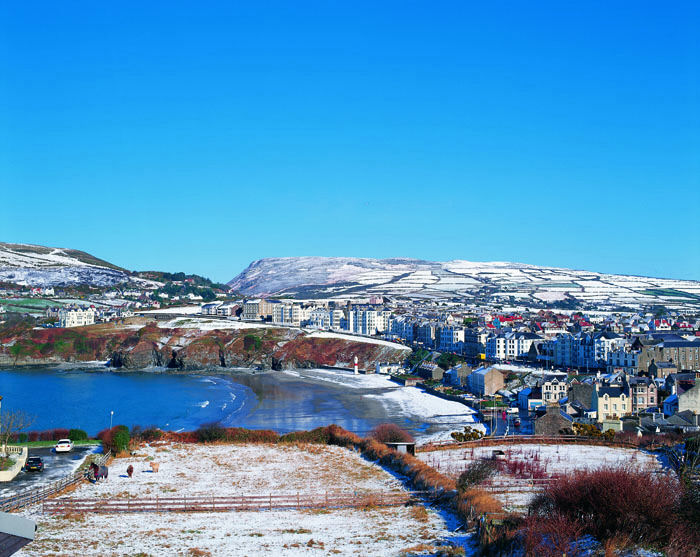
(605, 399)
(80, 316)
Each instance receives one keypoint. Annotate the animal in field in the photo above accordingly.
(98, 473)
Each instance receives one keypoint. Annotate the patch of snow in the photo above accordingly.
(357, 338)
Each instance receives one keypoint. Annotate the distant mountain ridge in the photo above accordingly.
(467, 281)
(28, 264)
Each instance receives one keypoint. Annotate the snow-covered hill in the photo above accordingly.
(518, 283)
(27, 264)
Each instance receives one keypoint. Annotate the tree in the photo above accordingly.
(11, 423)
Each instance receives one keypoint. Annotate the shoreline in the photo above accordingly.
(291, 399)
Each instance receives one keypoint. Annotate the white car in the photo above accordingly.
(64, 446)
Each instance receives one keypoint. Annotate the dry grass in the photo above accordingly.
(475, 502)
(196, 552)
(419, 513)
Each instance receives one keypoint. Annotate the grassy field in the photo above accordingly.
(36, 304)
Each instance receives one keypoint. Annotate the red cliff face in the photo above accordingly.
(141, 343)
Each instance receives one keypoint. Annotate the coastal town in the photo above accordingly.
(411, 279)
(620, 371)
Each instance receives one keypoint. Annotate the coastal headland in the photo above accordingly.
(188, 343)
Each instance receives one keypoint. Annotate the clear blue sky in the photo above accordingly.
(199, 136)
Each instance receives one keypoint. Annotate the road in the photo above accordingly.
(506, 427)
(56, 466)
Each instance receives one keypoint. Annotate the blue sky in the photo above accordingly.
(201, 136)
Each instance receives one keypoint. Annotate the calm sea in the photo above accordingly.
(275, 400)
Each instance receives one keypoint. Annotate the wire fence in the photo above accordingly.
(524, 439)
(336, 500)
(38, 494)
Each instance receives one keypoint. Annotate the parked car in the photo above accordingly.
(64, 446)
(34, 464)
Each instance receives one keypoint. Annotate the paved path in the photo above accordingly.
(56, 466)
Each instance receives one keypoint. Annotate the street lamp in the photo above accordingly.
(111, 415)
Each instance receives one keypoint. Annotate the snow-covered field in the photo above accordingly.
(558, 459)
(239, 469)
(546, 461)
(387, 531)
(353, 277)
(356, 338)
(180, 309)
(208, 324)
(231, 470)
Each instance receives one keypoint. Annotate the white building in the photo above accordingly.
(290, 314)
(76, 317)
(509, 346)
(210, 309)
(554, 389)
(320, 318)
(367, 321)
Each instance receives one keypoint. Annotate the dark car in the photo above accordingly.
(34, 464)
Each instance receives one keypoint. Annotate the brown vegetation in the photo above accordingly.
(615, 506)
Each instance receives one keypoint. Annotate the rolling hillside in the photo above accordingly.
(467, 281)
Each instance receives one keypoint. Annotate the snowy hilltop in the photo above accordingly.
(327, 277)
(27, 264)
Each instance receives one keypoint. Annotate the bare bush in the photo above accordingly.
(391, 433)
(477, 472)
(614, 504)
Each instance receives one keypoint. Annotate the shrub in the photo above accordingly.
(151, 433)
(320, 435)
(115, 439)
(49, 434)
(208, 433)
(477, 472)
(242, 435)
(551, 538)
(469, 434)
(390, 433)
(615, 504)
(121, 438)
(252, 342)
(586, 430)
(77, 435)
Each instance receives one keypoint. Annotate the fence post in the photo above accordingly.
(157, 504)
(298, 504)
(270, 501)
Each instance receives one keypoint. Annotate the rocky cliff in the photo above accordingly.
(141, 343)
